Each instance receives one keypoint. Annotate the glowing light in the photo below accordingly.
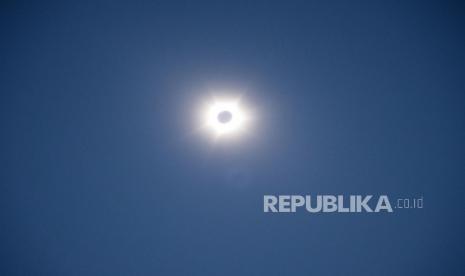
(225, 117)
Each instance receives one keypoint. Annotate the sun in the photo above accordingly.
(226, 117)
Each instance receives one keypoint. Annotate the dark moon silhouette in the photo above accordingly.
(224, 117)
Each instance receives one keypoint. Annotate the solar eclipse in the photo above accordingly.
(225, 117)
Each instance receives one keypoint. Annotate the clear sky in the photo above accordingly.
(104, 171)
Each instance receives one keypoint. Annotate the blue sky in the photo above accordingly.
(104, 173)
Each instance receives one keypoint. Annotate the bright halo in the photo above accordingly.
(225, 117)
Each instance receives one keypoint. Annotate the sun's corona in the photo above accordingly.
(225, 117)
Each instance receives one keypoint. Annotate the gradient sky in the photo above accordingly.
(104, 172)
